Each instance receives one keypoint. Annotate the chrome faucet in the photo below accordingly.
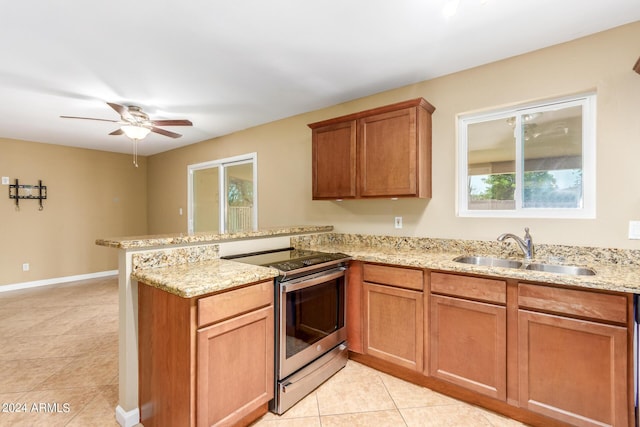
(526, 244)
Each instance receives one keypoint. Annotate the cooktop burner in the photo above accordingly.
(288, 259)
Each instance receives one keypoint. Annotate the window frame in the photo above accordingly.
(222, 164)
(588, 209)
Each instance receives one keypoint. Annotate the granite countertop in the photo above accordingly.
(612, 277)
(134, 242)
(616, 270)
(200, 278)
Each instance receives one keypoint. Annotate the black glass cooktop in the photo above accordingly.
(288, 259)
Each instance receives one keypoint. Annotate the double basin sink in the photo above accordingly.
(509, 263)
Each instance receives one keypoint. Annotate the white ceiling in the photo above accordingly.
(228, 65)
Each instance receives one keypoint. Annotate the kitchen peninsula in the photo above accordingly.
(158, 251)
(613, 285)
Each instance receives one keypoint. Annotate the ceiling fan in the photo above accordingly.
(136, 124)
(132, 116)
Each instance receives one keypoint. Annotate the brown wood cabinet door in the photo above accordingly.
(388, 154)
(393, 325)
(573, 370)
(468, 344)
(234, 368)
(334, 161)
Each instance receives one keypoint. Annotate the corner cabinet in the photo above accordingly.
(382, 152)
(205, 361)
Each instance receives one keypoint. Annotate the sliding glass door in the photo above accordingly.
(223, 195)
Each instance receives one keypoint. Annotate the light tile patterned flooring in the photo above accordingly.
(360, 396)
(59, 346)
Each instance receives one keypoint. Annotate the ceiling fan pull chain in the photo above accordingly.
(135, 152)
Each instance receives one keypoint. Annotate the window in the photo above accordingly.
(223, 195)
(535, 161)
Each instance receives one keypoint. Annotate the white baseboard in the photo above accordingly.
(127, 419)
(56, 280)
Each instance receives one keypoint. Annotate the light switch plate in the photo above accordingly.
(5, 180)
(397, 222)
(634, 230)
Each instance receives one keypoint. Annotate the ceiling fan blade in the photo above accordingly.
(117, 132)
(165, 132)
(122, 110)
(171, 123)
(89, 118)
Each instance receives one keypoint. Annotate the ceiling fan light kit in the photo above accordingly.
(136, 125)
(135, 132)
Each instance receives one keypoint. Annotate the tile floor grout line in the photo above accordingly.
(384, 384)
(80, 411)
(51, 376)
(318, 407)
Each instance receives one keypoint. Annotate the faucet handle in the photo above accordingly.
(528, 241)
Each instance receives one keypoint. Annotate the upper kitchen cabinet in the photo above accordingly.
(382, 152)
(334, 161)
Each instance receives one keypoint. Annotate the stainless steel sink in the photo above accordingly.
(488, 261)
(561, 269)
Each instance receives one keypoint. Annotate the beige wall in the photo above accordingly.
(602, 62)
(206, 200)
(90, 194)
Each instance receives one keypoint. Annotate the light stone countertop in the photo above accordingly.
(200, 278)
(611, 277)
(159, 240)
(616, 270)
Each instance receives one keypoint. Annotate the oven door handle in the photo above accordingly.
(302, 283)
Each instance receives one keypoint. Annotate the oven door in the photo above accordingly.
(311, 319)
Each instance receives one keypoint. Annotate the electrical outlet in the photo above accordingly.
(25, 266)
(5, 180)
(634, 230)
(398, 222)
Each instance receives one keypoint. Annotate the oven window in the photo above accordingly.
(313, 313)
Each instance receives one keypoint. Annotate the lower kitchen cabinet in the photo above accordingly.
(572, 369)
(468, 338)
(468, 344)
(393, 315)
(544, 354)
(205, 361)
(235, 368)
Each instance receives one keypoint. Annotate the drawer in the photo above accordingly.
(573, 302)
(394, 276)
(232, 303)
(476, 288)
